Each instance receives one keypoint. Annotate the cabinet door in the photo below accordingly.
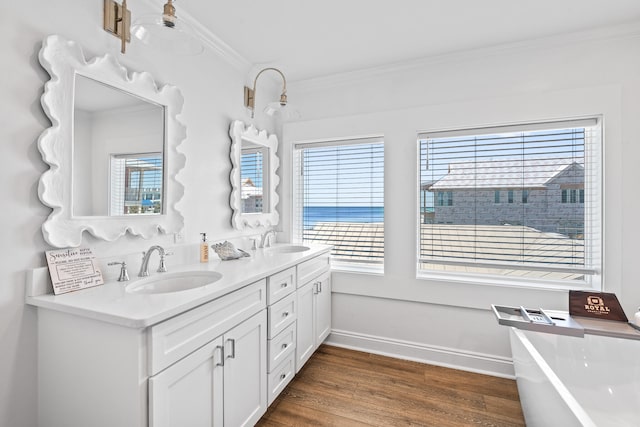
(245, 372)
(322, 312)
(305, 333)
(189, 393)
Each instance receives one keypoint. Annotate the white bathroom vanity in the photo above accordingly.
(213, 355)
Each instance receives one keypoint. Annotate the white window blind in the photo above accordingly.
(525, 201)
(339, 197)
(136, 184)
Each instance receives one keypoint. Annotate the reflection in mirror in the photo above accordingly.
(118, 144)
(254, 163)
(254, 167)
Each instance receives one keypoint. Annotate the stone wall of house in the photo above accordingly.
(543, 210)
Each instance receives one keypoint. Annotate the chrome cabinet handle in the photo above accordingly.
(221, 362)
(283, 376)
(284, 285)
(285, 345)
(285, 314)
(232, 355)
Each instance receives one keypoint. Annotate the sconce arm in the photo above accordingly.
(284, 80)
(250, 94)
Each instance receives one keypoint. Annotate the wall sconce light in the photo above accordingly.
(117, 21)
(163, 31)
(273, 107)
(167, 33)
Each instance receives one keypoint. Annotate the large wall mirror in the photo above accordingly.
(111, 147)
(254, 163)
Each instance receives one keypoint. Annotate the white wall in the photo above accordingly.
(212, 91)
(449, 322)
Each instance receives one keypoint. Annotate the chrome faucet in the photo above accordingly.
(265, 242)
(144, 267)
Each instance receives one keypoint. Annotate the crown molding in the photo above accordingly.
(624, 31)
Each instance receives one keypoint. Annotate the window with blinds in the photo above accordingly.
(519, 201)
(136, 184)
(339, 197)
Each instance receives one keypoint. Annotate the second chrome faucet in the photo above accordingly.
(265, 240)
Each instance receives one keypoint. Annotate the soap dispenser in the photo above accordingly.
(204, 248)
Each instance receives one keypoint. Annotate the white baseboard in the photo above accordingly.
(487, 364)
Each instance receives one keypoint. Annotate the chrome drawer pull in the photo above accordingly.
(285, 314)
(221, 362)
(284, 285)
(285, 346)
(233, 349)
(283, 376)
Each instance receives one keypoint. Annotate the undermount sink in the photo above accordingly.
(173, 282)
(288, 249)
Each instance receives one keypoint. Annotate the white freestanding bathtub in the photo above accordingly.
(568, 381)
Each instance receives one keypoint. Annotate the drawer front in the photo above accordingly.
(280, 377)
(311, 268)
(175, 338)
(282, 346)
(282, 314)
(280, 285)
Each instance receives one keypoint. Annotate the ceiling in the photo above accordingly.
(308, 39)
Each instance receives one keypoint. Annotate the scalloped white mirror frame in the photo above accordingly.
(63, 59)
(239, 131)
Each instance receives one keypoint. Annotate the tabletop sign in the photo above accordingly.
(598, 305)
(73, 269)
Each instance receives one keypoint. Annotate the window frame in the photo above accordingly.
(337, 264)
(117, 189)
(593, 149)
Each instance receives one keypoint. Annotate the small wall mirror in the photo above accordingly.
(111, 147)
(253, 177)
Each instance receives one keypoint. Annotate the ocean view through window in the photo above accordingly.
(339, 198)
(547, 229)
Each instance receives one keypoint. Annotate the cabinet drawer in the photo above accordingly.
(282, 314)
(282, 346)
(175, 338)
(311, 268)
(280, 285)
(280, 377)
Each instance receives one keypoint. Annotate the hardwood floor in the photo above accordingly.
(340, 387)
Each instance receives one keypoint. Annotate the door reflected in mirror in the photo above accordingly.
(118, 152)
(254, 167)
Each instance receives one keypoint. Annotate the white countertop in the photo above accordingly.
(112, 303)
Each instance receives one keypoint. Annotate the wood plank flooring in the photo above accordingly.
(340, 387)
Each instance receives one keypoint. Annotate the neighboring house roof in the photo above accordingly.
(356, 241)
(506, 173)
(500, 243)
